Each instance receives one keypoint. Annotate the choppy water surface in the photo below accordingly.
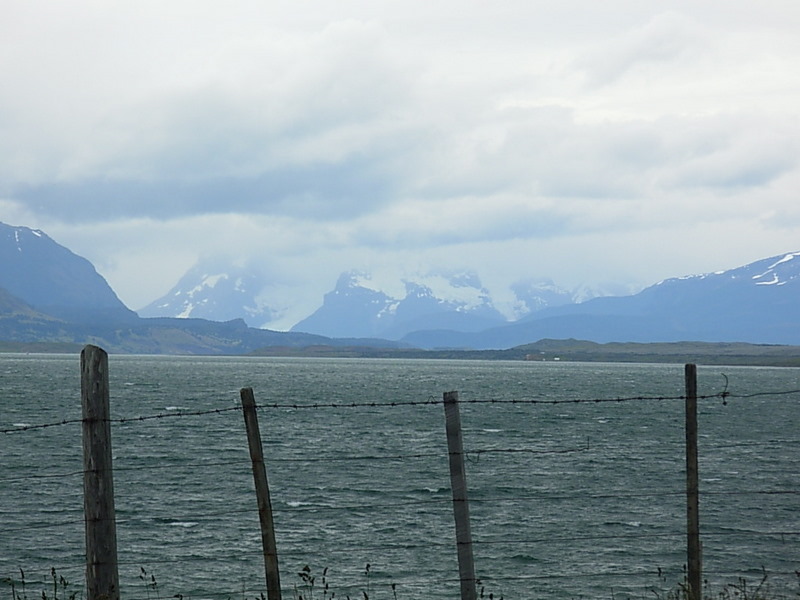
(567, 500)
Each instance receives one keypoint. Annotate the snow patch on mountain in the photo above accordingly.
(22, 235)
(773, 272)
(461, 289)
(786, 258)
(774, 281)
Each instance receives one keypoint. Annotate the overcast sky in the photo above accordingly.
(620, 141)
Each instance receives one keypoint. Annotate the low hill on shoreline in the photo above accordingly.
(706, 353)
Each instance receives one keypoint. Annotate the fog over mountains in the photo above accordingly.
(49, 293)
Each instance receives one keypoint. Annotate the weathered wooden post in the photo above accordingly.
(693, 549)
(262, 494)
(458, 483)
(102, 575)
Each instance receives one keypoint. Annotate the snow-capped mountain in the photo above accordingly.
(358, 306)
(217, 292)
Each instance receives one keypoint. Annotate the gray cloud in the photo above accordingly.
(318, 192)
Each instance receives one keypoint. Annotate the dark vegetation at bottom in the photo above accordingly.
(318, 586)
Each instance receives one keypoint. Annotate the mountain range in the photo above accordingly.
(360, 304)
(48, 293)
(757, 303)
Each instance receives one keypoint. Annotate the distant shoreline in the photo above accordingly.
(704, 353)
(723, 353)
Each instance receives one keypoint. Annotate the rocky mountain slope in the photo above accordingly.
(52, 279)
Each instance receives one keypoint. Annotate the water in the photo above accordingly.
(567, 500)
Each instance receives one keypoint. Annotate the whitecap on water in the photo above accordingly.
(296, 503)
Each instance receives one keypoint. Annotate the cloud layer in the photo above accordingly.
(579, 142)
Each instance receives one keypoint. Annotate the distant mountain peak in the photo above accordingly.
(361, 306)
(216, 292)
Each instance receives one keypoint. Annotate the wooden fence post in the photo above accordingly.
(458, 483)
(102, 575)
(262, 493)
(693, 548)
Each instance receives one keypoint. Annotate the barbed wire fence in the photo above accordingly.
(598, 553)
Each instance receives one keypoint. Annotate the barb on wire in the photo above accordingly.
(725, 393)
